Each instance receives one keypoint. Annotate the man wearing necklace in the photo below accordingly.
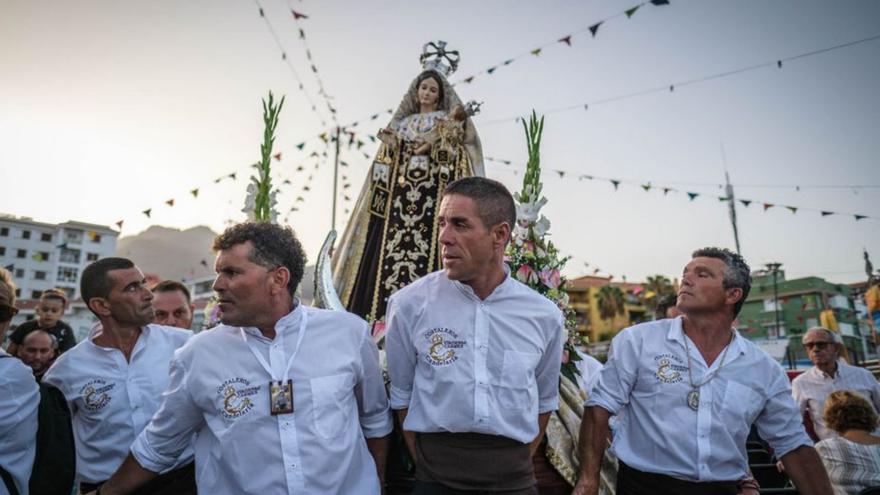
(112, 380)
(690, 388)
(284, 398)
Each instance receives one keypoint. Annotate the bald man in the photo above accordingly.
(38, 350)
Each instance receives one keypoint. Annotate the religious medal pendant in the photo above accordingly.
(280, 397)
(693, 399)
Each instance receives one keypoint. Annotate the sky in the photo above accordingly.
(108, 108)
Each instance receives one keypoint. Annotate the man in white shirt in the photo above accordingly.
(473, 355)
(284, 398)
(173, 305)
(18, 408)
(829, 373)
(113, 379)
(690, 389)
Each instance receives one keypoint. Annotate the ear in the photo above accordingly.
(99, 306)
(501, 234)
(279, 279)
(734, 295)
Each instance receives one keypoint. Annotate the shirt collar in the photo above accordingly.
(286, 324)
(468, 291)
(676, 333)
(97, 328)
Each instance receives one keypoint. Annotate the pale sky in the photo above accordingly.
(111, 107)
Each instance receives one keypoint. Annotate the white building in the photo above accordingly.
(43, 255)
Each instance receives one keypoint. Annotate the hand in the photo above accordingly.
(583, 487)
(780, 467)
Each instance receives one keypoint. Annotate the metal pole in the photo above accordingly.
(335, 180)
(774, 268)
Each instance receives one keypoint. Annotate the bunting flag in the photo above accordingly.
(561, 173)
(490, 70)
(859, 217)
(286, 182)
(767, 206)
(195, 192)
(277, 156)
(793, 209)
(693, 195)
(119, 224)
(62, 246)
(595, 28)
(204, 263)
(659, 2)
(298, 15)
(535, 52)
(826, 213)
(301, 145)
(10, 267)
(746, 202)
(646, 187)
(232, 176)
(629, 12)
(170, 202)
(147, 212)
(616, 183)
(723, 198)
(666, 190)
(566, 40)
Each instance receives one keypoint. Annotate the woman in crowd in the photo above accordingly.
(853, 458)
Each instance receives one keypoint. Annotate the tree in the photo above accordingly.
(610, 301)
(658, 286)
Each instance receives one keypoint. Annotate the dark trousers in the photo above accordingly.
(181, 481)
(634, 482)
(429, 488)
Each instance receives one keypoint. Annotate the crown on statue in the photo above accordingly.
(436, 57)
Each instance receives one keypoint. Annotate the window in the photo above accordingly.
(70, 255)
(38, 275)
(847, 329)
(25, 234)
(2, 250)
(91, 257)
(18, 292)
(41, 256)
(19, 273)
(35, 294)
(96, 237)
(21, 253)
(839, 301)
(46, 237)
(770, 305)
(74, 236)
(4, 231)
(67, 274)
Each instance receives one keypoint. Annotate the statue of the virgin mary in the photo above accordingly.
(391, 237)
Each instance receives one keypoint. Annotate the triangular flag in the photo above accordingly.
(147, 212)
(646, 187)
(300, 168)
(616, 183)
(10, 267)
(299, 199)
(62, 246)
(469, 79)
(490, 70)
(767, 206)
(586, 106)
(595, 271)
(630, 12)
(859, 217)
(826, 213)
(671, 88)
(300, 146)
(692, 195)
(306, 188)
(746, 202)
(298, 15)
(793, 209)
(779, 64)
(119, 224)
(283, 56)
(261, 12)
(277, 156)
(359, 144)
(170, 202)
(255, 165)
(195, 192)
(374, 116)
(723, 198)
(218, 179)
(660, 2)
(595, 28)
(372, 138)
(566, 40)
(666, 190)
(323, 136)
(302, 34)
(204, 263)
(508, 61)
(232, 176)
(561, 173)
(536, 52)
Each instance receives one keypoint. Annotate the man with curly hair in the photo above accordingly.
(283, 398)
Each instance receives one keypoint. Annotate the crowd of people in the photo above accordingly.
(281, 397)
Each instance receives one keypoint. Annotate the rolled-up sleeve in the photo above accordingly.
(611, 391)
(401, 355)
(375, 416)
(547, 371)
(779, 423)
(168, 434)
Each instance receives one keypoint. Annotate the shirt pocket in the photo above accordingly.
(330, 406)
(517, 380)
(741, 406)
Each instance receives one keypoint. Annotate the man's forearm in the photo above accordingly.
(807, 472)
(543, 418)
(128, 478)
(591, 448)
(409, 437)
(378, 448)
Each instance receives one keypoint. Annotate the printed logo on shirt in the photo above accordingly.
(235, 395)
(96, 394)
(669, 368)
(442, 345)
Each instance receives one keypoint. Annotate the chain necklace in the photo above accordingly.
(693, 397)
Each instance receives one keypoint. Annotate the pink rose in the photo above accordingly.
(526, 275)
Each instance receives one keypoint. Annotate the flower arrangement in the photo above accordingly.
(261, 197)
(532, 257)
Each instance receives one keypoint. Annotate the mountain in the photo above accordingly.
(171, 253)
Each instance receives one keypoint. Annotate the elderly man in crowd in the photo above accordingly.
(283, 398)
(38, 350)
(113, 380)
(690, 388)
(829, 373)
(473, 355)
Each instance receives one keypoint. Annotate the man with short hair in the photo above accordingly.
(173, 305)
(38, 350)
(284, 398)
(113, 380)
(473, 355)
(690, 389)
(829, 373)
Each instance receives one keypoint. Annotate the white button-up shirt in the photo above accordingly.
(646, 377)
(461, 364)
(221, 391)
(18, 421)
(111, 400)
(812, 388)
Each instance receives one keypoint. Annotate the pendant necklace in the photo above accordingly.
(693, 397)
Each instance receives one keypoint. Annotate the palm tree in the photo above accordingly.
(609, 302)
(660, 285)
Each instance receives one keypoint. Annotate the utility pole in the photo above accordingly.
(335, 179)
(731, 201)
(773, 267)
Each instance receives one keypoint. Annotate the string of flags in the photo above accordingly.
(648, 186)
(287, 62)
(565, 40)
(297, 18)
(671, 87)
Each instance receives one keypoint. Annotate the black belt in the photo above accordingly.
(180, 481)
(631, 481)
